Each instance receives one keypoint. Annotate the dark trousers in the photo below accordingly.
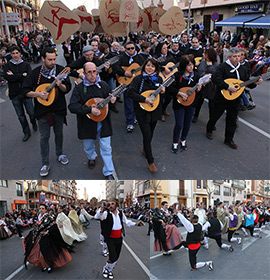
(183, 117)
(193, 257)
(216, 237)
(147, 130)
(232, 109)
(230, 234)
(129, 110)
(19, 230)
(21, 104)
(251, 229)
(44, 130)
(199, 103)
(114, 248)
(165, 99)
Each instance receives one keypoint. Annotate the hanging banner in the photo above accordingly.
(59, 19)
(157, 13)
(172, 22)
(147, 19)
(129, 11)
(138, 26)
(99, 28)
(110, 18)
(87, 21)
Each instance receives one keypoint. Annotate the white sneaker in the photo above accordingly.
(211, 266)
(110, 275)
(130, 128)
(63, 159)
(44, 171)
(206, 247)
(22, 237)
(105, 254)
(239, 240)
(105, 272)
(101, 242)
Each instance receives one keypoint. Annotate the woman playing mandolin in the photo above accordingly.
(148, 80)
(185, 78)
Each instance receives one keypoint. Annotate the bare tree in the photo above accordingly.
(154, 186)
(209, 189)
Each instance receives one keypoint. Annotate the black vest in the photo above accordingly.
(195, 236)
(215, 227)
(107, 224)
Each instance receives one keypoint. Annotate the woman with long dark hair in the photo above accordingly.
(44, 246)
(207, 66)
(186, 77)
(148, 80)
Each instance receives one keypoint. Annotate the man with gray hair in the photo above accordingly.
(230, 69)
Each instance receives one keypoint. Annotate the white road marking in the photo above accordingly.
(2, 100)
(16, 272)
(254, 127)
(142, 265)
(248, 242)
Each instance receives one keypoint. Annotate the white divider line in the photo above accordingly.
(16, 272)
(142, 265)
(254, 127)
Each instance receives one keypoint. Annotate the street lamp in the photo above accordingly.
(189, 8)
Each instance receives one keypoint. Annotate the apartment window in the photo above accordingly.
(3, 183)
(239, 191)
(122, 191)
(197, 200)
(47, 195)
(3, 208)
(227, 191)
(140, 187)
(217, 190)
(205, 184)
(19, 189)
(181, 187)
(146, 185)
(245, 194)
(204, 201)
(199, 184)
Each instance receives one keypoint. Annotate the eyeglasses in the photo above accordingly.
(131, 48)
(91, 72)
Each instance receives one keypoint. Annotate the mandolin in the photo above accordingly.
(112, 61)
(173, 67)
(135, 70)
(50, 88)
(191, 91)
(102, 104)
(240, 86)
(154, 95)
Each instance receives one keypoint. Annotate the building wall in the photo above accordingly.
(167, 3)
(8, 195)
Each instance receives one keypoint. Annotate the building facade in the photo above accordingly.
(12, 196)
(142, 192)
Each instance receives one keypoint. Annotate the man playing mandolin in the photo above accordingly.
(35, 85)
(230, 69)
(88, 130)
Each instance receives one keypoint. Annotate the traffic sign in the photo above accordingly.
(215, 16)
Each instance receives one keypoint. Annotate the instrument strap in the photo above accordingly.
(84, 89)
(141, 86)
(39, 76)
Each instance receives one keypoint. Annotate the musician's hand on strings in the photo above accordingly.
(96, 112)
(162, 90)
(149, 101)
(43, 95)
(232, 89)
(199, 87)
(167, 71)
(9, 72)
(25, 74)
(183, 95)
(107, 66)
(128, 74)
(81, 76)
(113, 99)
(259, 82)
(58, 82)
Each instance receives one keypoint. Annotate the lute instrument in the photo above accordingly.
(240, 86)
(102, 104)
(173, 67)
(50, 88)
(154, 95)
(191, 91)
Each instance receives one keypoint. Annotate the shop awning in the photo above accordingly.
(262, 22)
(238, 20)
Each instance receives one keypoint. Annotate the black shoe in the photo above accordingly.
(251, 107)
(110, 177)
(49, 270)
(44, 269)
(26, 137)
(183, 147)
(209, 135)
(91, 163)
(195, 118)
(34, 127)
(231, 144)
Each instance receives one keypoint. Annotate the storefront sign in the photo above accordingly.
(215, 17)
(251, 8)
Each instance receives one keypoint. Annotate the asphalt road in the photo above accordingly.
(204, 159)
(249, 260)
(87, 261)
